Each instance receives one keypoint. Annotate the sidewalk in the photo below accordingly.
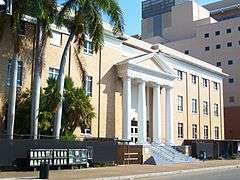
(127, 170)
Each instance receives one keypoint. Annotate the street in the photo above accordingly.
(233, 174)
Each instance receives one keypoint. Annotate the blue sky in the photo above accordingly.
(132, 14)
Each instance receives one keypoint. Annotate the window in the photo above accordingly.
(216, 130)
(230, 62)
(205, 82)
(180, 103)
(229, 30)
(19, 73)
(215, 85)
(180, 130)
(229, 44)
(21, 30)
(231, 99)
(218, 46)
(238, 28)
(205, 107)
(88, 85)
(231, 80)
(217, 33)
(88, 47)
(205, 129)
(186, 52)
(53, 73)
(56, 38)
(207, 48)
(194, 105)
(219, 64)
(194, 79)
(194, 131)
(206, 35)
(180, 75)
(216, 110)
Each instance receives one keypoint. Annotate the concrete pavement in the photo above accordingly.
(131, 171)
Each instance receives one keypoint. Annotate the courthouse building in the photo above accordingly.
(210, 33)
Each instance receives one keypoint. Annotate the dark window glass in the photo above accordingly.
(218, 46)
(217, 33)
(206, 35)
(230, 62)
(231, 80)
(186, 51)
(207, 48)
(219, 64)
(229, 30)
(229, 44)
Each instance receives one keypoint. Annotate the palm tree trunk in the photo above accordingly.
(12, 97)
(36, 85)
(58, 115)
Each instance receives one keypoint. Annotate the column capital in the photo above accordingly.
(126, 77)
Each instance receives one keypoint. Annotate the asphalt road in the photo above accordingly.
(233, 174)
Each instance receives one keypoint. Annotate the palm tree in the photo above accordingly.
(18, 9)
(84, 17)
(44, 11)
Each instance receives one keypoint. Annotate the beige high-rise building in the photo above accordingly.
(210, 33)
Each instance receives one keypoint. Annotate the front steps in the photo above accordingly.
(165, 154)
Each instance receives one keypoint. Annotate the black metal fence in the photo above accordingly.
(14, 152)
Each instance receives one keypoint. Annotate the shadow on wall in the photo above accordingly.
(112, 85)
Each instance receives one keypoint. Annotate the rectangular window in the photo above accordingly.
(19, 73)
(207, 48)
(216, 130)
(230, 62)
(231, 99)
(88, 85)
(194, 131)
(22, 29)
(186, 52)
(180, 75)
(53, 73)
(238, 28)
(180, 103)
(205, 82)
(215, 85)
(219, 64)
(194, 79)
(205, 132)
(229, 30)
(231, 80)
(229, 44)
(218, 46)
(205, 107)
(56, 38)
(216, 110)
(88, 47)
(180, 130)
(206, 35)
(217, 33)
(194, 105)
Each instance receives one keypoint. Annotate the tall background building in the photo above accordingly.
(210, 33)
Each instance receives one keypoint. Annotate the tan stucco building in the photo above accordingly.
(210, 33)
(147, 93)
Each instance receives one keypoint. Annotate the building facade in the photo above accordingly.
(210, 33)
(144, 93)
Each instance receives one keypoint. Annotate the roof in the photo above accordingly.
(221, 5)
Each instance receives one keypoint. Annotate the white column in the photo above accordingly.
(142, 116)
(169, 116)
(126, 108)
(156, 114)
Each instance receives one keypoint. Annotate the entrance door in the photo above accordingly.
(134, 130)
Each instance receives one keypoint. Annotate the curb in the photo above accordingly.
(138, 176)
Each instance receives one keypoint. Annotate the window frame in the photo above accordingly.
(180, 131)
(205, 132)
(89, 87)
(205, 108)
(205, 82)
(216, 132)
(228, 30)
(215, 85)
(207, 48)
(19, 73)
(53, 73)
(180, 75)
(216, 109)
(194, 131)
(194, 79)
(217, 33)
(219, 64)
(180, 103)
(53, 43)
(88, 47)
(194, 106)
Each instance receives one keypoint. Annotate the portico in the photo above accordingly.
(139, 75)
